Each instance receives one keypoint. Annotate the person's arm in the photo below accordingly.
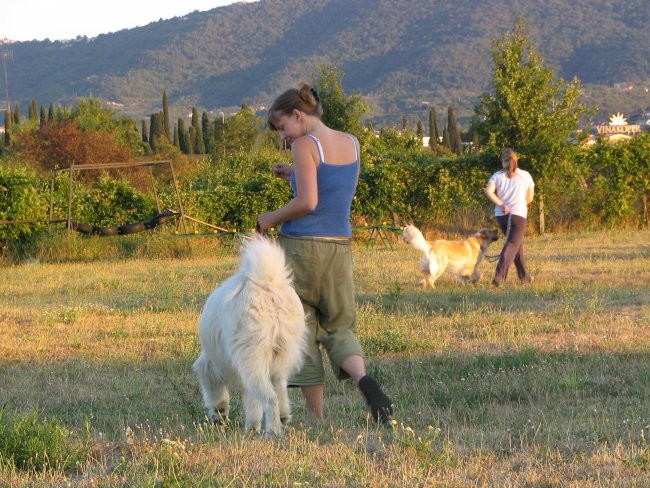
(491, 193)
(530, 194)
(306, 199)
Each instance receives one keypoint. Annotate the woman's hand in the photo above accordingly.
(264, 222)
(282, 170)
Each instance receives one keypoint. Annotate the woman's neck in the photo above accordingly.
(314, 127)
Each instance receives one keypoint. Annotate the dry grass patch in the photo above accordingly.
(537, 385)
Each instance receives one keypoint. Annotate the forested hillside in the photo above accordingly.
(397, 54)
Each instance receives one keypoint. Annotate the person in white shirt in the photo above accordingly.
(511, 190)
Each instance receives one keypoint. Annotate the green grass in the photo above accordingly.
(539, 385)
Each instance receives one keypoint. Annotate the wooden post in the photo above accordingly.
(542, 222)
(51, 202)
(178, 196)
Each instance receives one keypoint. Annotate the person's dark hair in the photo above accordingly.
(303, 98)
(512, 158)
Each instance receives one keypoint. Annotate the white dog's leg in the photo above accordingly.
(253, 412)
(272, 417)
(284, 405)
(216, 397)
(262, 401)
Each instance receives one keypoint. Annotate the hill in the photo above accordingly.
(400, 55)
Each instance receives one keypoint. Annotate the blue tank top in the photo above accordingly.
(336, 186)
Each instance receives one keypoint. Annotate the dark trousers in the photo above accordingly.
(514, 228)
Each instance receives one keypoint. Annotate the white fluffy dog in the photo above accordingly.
(252, 334)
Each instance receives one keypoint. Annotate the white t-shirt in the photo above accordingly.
(512, 191)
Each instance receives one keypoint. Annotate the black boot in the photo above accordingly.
(380, 405)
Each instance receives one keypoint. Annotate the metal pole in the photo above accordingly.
(5, 55)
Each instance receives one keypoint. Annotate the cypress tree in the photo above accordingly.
(454, 135)
(8, 126)
(191, 137)
(445, 138)
(197, 136)
(182, 137)
(419, 130)
(206, 127)
(156, 131)
(16, 115)
(152, 139)
(219, 133)
(144, 131)
(159, 130)
(50, 112)
(166, 116)
(433, 128)
(43, 118)
(33, 110)
(177, 142)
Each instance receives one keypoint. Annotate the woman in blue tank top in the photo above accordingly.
(315, 234)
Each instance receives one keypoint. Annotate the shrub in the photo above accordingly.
(231, 192)
(31, 443)
(22, 197)
(418, 187)
(109, 201)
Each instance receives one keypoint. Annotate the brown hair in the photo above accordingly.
(303, 98)
(513, 161)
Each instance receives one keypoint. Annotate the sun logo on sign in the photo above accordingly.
(617, 119)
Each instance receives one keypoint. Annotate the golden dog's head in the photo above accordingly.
(487, 236)
(411, 232)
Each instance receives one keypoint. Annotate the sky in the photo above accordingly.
(28, 20)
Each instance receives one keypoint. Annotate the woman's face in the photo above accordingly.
(290, 126)
(505, 163)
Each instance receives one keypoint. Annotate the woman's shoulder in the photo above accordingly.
(525, 174)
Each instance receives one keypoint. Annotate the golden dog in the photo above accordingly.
(461, 257)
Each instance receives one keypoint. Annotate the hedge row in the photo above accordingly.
(606, 185)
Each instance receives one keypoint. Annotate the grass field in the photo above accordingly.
(540, 385)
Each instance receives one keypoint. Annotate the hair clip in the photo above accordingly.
(313, 92)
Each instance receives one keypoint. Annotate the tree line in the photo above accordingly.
(527, 108)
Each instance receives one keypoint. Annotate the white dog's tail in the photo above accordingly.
(264, 263)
